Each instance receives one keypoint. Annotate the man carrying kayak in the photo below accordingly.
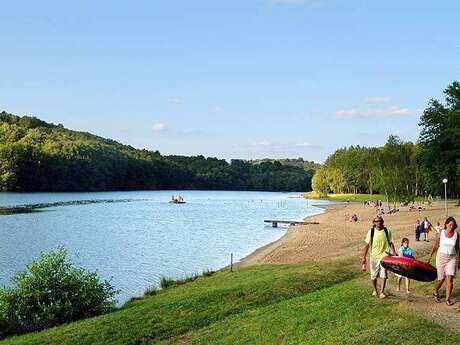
(379, 240)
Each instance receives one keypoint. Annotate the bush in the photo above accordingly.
(169, 282)
(151, 291)
(208, 273)
(51, 291)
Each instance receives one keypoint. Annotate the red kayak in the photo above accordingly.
(409, 268)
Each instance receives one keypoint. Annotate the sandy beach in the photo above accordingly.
(335, 238)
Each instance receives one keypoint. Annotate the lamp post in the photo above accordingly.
(445, 195)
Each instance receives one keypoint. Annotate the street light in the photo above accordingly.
(445, 195)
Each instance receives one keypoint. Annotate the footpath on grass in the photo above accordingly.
(311, 292)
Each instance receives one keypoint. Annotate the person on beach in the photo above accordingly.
(417, 230)
(379, 240)
(426, 228)
(438, 227)
(406, 252)
(448, 251)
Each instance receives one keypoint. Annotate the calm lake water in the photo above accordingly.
(142, 238)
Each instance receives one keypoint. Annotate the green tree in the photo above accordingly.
(320, 182)
(51, 291)
(439, 144)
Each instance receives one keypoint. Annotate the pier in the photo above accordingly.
(290, 222)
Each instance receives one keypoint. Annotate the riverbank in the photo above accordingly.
(337, 238)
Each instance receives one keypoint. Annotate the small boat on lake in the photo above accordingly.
(177, 200)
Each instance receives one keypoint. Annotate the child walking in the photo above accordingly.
(406, 252)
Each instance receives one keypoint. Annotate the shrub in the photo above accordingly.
(151, 291)
(208, 273)
(52, 291)
(169, 282)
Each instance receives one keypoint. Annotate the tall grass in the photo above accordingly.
(166, 282)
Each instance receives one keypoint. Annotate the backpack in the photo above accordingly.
(386, 235)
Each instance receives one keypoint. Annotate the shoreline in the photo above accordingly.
(335, 238)
(256, 255)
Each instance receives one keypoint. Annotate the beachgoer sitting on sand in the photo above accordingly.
(406, 252)
(379, 240)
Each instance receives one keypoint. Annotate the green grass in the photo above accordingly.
(363, 197)
(344, 197)
(342, 314)
(166, 282)
(312, 303)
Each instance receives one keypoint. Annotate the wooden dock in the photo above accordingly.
(290, 222)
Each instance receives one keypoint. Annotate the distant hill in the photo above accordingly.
(294, 162)
(40, 156)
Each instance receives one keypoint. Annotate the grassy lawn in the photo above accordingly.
(312, 303)
(345, 197)
(342, 314)
(362, 197)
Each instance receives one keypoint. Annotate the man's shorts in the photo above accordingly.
(376, 269)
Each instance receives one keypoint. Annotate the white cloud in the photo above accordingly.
(267, 148)
(308, 145)
(376, 99)
(294, 1)
(158, 127)
(174, 100)
(393, 111)
(216, 110)
(262, 143)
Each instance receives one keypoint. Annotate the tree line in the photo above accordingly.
(402, 170)
(40, 156)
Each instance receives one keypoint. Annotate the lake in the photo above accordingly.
(135, 238)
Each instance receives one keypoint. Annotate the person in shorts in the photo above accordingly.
(448, 251)
(378, 243)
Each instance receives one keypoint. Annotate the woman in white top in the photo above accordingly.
(447, 245)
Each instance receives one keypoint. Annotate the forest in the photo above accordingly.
(40, 156)
(402, 170)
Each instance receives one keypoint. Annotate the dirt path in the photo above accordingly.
(439, 313)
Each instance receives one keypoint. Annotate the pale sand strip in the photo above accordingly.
(334, 238)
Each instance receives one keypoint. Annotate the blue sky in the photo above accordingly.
(232, 79)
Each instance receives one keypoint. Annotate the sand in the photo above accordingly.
(335, 238)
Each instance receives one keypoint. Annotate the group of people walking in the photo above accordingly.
(425, 227)
(379, 243)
